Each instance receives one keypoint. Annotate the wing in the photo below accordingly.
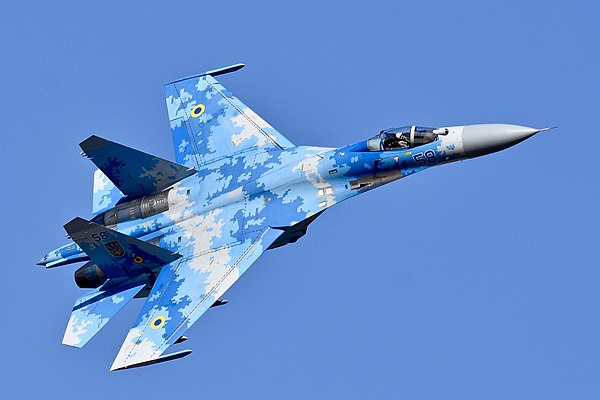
(93, 310)
(183, 291)
(208, 122)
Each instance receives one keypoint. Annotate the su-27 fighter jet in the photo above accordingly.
(180, 234)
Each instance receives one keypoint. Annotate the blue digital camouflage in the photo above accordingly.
(182, 234)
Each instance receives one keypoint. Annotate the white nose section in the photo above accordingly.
(484, 139)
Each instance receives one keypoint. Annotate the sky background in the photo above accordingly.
(476, 280)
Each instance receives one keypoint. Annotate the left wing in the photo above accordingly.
(183, 291)
(208, 122)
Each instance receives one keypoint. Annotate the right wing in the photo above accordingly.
(93, 310)
(183, 291)
(208, 122)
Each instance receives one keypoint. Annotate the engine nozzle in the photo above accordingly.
(89, 276)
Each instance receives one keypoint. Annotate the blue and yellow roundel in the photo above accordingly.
(158, 322)
(198, 110)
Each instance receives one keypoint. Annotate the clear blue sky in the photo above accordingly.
(477, 280)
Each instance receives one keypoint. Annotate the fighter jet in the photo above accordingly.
(181, 233)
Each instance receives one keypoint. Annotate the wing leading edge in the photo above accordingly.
(183, 291)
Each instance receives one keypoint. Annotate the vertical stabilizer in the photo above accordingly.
(106, 195)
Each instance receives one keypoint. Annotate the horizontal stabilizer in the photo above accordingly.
(115, 253)
(92, 311)
(168, 357)
(133, 172)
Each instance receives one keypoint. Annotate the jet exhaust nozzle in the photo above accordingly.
(89, 276)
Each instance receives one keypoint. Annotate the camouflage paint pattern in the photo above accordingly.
(249, 186)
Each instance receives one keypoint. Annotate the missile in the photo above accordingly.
(219, 303)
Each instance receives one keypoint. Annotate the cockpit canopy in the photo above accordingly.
(404, 138)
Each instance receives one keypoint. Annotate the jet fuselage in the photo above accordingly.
(323, 177)
(181, 232)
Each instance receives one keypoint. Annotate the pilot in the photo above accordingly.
(403, 141)
(391, 141)
(395, 141)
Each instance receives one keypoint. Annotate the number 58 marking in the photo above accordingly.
(100, 236)
(427, 158)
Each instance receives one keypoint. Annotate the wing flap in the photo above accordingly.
(183, 292)
(92, 312)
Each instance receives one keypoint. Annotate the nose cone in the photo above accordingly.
(484, 139)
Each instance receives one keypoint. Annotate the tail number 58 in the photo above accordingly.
(99, 236)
